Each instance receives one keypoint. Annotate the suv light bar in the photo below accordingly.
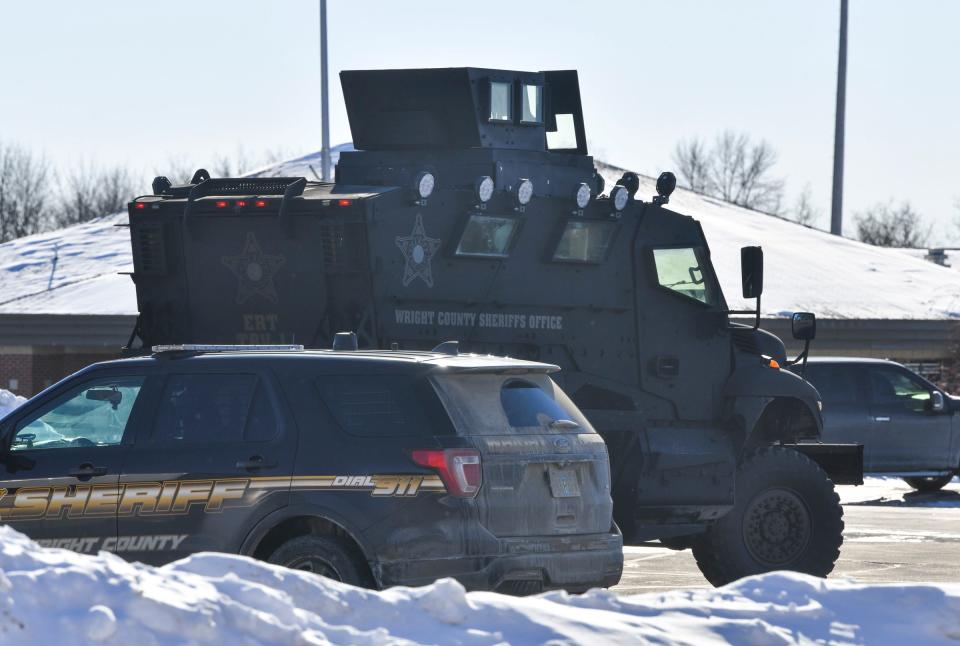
(199, 347)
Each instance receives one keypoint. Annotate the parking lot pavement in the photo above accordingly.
(892, 537)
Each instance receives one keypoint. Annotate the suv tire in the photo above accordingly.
(929, 484)
(329, 556)
(787, 516)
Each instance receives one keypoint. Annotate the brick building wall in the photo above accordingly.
(26, 370)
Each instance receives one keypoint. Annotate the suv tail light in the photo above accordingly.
(458, 468)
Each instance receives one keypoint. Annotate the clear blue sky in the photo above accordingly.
(144, 82)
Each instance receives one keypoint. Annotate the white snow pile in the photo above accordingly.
(53, 596)
(9, 401)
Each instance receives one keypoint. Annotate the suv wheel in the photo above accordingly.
(327, 556)
(786, 517)
(928, 484)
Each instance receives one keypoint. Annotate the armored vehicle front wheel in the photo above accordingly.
(327, 556)
(787, 516)
(928, 484)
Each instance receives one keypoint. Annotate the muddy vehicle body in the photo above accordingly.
(472, 211)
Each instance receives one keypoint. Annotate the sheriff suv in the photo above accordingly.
(376, 468)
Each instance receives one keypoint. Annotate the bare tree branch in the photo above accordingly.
(885, 225)
(24, 192)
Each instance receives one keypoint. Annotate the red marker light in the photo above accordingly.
(221, 204)
(241, 203)
(140, 205)
(344, 202)
(260, 204)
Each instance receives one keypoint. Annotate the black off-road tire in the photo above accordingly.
(929, 484)
(329, 556)
(787, 516)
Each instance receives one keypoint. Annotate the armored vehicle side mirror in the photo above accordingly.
(804, 326)
(751, 271)
(937, 402)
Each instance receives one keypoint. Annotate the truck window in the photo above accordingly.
(487, 236)
(492, 404)
(890, 387)
(95, 414)
(501, 101)
(683, 270)
(584, 241)
(532, 108)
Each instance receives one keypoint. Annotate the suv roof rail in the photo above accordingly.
(201, 347)
(448, 347)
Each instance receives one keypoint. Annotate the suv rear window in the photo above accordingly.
(383, 406)
(491, 404)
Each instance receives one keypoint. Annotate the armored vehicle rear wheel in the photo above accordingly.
(327, 556)
(786, 517)
(934, 483)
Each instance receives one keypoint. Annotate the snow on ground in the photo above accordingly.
(894, 492)
(52, 596)
(9, 401)
(75, 270)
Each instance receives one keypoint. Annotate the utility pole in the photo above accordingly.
(836, 211)
(324, 96)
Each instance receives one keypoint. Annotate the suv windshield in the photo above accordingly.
(489, 404)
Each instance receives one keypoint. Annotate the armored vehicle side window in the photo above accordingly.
(383, 406)
(532, 108)
(213, 409)
(94, 414)
(682, 270)
(584, 241)
(565, 136)
(487, 235)
(501, 101)
(488, 404)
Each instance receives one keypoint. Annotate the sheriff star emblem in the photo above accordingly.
(254, 271)
(418, 250)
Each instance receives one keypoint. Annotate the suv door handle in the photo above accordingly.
(87, 470)
(881, 419)
(255, 463)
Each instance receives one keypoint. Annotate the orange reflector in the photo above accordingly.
(344, 202)
(773, 363)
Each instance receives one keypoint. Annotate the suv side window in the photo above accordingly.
(93, 414)
(836, 384)
(897, 389)
(214, 409)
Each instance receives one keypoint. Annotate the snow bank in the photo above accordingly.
(50, 596)
(9, 401)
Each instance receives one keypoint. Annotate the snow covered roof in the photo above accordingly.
(76, 270)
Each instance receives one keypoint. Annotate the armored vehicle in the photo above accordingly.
(471, 211)
(373, 468)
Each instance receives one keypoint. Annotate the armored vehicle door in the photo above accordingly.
(684, 347)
